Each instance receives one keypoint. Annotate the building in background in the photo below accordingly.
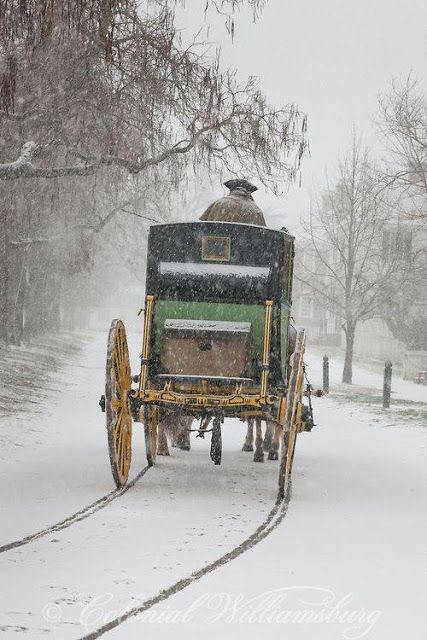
(398, 333)
(321, 324)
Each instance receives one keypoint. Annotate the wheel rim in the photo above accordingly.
(119, 419)
(293, 398)
(293, 427)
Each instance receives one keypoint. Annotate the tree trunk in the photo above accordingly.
(17, 320)
(4, 273)
(52, 308)
(35, 303)
(17, 304)
(347, 374)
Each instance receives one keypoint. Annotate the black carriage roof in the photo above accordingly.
(219, 223)
(215, 261)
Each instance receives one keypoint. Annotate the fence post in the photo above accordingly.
(388, 367)
(325, 374)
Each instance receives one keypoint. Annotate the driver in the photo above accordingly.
(237, 206)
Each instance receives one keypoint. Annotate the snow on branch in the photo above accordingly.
(24, 168)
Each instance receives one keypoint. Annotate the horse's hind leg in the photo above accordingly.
(162, 441)
(259, 452)
(273, 454)
(268, 437)
(248, 444)
(181, 436)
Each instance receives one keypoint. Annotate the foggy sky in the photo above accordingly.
(332, 58)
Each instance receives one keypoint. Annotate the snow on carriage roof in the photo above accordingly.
(209, 268)
(208, 325)
(216, 222)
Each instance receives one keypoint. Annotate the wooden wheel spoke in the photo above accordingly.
(122, 451)
(120, 351)
(124, 379)
(124, 356)
(119, 445)
(116, 426)
(116, 403)
(116, 373)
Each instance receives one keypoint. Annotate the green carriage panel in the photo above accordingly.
(285, 313)
(222, 272)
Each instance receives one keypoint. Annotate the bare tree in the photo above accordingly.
(405, 309)
(403, 126)
(352, 277)
(99, 104)
(146, 101)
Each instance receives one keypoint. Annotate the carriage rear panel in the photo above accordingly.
(205, 348)
(219, 272)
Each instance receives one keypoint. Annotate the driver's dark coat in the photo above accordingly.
(235, 207)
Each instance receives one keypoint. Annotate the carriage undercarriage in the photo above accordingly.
(205, 398)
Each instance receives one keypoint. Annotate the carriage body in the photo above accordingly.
(218, 313)
(217, 340)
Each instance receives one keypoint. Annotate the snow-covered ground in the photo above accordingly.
(401, 389)
(348, 561)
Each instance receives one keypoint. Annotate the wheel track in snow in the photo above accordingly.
(78, 516)
(271, 522)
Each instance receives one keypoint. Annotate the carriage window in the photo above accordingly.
(216, 248)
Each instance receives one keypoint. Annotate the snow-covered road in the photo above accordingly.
(351, 552)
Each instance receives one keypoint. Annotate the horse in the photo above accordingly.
(176, 428)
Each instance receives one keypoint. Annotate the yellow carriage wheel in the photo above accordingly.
(151, 421)
(119, 419)
(293, 411)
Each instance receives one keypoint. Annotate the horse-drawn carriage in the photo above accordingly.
(216, 340)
